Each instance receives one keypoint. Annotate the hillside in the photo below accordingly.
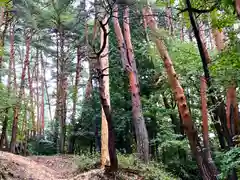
(64, 167)
(14, 167)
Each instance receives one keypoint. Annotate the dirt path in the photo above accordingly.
(64, 167)
(14, 167)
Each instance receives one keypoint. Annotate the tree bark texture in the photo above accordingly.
(207, 169)
(17, 106)
(104, 65)
(129, 65)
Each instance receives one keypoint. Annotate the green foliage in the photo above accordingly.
(149, 171)
(87, 161)
(221, 20)
(229, 161)
(225, 68)
(41, 147)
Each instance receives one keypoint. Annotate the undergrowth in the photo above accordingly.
(128, 164)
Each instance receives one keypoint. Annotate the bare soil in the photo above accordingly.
(64, 167)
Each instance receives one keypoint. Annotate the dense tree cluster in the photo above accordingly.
(156, 79)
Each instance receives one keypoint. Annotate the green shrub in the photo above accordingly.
(229, 161)
(87, 161)
(150, 171)
(41, 147)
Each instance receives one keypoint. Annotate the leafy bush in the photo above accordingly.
(41, 147)
(229, 161)
(151, 171)
(87, 161)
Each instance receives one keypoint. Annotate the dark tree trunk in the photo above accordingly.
(4, 131)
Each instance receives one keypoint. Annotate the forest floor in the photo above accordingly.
(58, 167)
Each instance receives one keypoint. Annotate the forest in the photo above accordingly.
(119, 89)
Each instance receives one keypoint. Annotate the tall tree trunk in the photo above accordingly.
(2, 37)
(231, 97)
(62, 92)
(42, 103)
(169, 21)
(145, 28)
(46, 87)
(218, 111)
(75, 95)
(30, 81)
(89, 88)
(5, 122)
(105, 70)
(182, 32)
(203, 89)
(232, 110)
(17, 106)
(5, 20)
(37, 94)
(138, 119)
(129, 65)
(207, 168)
(24, 123)
(219, 39)
(57, 110)
(204, 43)
(14, 74)
(104, 99)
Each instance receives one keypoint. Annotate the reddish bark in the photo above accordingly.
(219, 39)
(207, 168)
(120, 39)
(232, 115)
(30, 81)
(17, 106)
(129, 65)
(24, 114)
(203, 90)
(237, 7)
(203, 39)
(231, 98)
(14, 73)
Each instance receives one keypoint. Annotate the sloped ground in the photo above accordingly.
(14, 167)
